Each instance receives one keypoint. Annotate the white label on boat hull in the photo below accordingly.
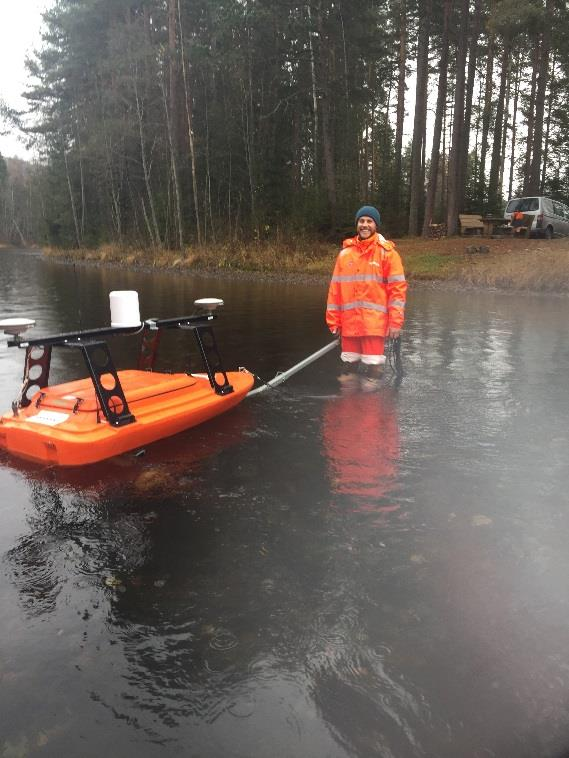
(49, 418)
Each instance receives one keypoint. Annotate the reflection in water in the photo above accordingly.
(77, 515)
(71, 535)
(380, 574)
(218, 594)
(361, 441)
(367, 709)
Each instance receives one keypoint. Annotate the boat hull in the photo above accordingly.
(63, 424)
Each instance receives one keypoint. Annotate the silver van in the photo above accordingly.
(550, 217)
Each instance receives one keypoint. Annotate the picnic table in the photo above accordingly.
(495, 225)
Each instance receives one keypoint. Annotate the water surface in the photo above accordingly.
(315, 573)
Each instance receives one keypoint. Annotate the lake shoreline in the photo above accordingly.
(319, 280)
(454, 263)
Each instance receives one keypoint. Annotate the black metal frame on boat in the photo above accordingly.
(101, 367)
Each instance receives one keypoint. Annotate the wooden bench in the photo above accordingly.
(470, 224)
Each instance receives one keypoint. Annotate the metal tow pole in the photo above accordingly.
(283, 376)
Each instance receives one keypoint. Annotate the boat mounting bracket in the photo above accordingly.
(106, 382)
(97, 359)
(205, 339)
(36, 356)
(100, 364)
(212, 359)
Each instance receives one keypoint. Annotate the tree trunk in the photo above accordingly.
(380, 161)
(453, 208)
(173, 73)
(444, 176)
(537, 150)
(531, 118)
(174, 168)
(72, 200)
(323, 80)
(505, 129)
(400, 118)
(81, 181)
(494, 191)
(551, 100)
(437, 129)
(188, 101)
(486, 117)
(327, 134)
(514, 125)
(420, 120)
(209, 210)
(315, 126)
(328, 150)
(155, 237)
(471, 75)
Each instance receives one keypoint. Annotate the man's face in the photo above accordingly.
(366, 227)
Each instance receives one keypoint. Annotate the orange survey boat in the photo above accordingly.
(112, 412)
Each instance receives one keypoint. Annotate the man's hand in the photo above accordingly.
(335, 331)
(393, 332)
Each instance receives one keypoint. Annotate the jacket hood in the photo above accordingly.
(353, 241)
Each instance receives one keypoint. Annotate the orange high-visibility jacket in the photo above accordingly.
(368, 289)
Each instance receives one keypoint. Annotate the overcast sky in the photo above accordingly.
(19, 34)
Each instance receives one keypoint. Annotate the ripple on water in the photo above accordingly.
(379, 653)
(263, 669)
(242, 709)
(223, 640)
(35, 573)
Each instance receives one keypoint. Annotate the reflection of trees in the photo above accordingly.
(223, 605)
(234, 579)
(369, 710)
(94, 520)
(71, 533)
(251, 586)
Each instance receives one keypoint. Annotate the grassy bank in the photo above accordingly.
(513, 264)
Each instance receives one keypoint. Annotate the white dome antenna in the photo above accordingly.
(208, 304)
(16, 326)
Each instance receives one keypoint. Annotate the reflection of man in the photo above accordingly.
(361, 441)
(366, 298)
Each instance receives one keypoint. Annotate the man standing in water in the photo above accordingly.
(366, 298)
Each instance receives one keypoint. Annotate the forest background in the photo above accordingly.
(167, 124)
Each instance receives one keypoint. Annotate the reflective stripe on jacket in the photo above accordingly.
(368, 289)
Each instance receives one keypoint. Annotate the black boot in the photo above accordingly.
(371, 377)
(348, 379)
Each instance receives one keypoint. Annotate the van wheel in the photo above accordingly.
(549, 233)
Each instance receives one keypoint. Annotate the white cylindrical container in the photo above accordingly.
(125, 311)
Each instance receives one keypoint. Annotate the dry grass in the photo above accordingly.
(537, 265)
(539, 268)
(513, 264)
(292, 256)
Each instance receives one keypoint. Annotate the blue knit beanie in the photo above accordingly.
(369, 210)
